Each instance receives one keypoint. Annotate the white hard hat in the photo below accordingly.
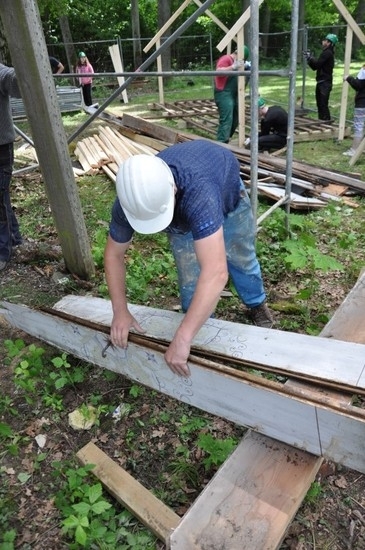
(146, 191)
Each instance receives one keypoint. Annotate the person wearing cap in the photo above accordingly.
(274, 126)
(323, 66)
(358, 84)
(193, 192)
(226, 93)
(10, 235)
(85, 68)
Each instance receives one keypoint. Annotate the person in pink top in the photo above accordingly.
(84, 67)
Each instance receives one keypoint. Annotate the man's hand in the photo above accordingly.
(177, 355)
(307, 55)
(247, 142)
(120, 328)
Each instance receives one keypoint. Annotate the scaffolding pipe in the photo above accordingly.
(141, 74)
(254, 93)
(291, 110)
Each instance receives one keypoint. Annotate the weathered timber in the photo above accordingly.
(331, 363)
(254, 493)
(314, 174)
(318, 427)
(160, 519)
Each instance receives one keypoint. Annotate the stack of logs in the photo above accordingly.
(106, 151)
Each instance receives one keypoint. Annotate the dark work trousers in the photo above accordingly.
(271, 141)
(86, 94)
(323, 90)
(227, 103)
(9, 227)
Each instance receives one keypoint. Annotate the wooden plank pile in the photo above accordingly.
(202, 114)
(307, 180)
(107, 151)
(312, 187)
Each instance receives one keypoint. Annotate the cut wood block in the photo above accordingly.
(251, 499)
(160, 519)
(110, 173)
(336, 189)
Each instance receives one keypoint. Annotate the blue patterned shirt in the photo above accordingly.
(207, 179)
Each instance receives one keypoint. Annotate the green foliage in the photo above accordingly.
(89, 520)
(7, 540)
(32, 375)
(304, 253)
(98, 246)
(314, 493)
(150, 275)
(189, 424)
(7, 509)
(217, 450)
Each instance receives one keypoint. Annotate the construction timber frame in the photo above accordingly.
(252, 499)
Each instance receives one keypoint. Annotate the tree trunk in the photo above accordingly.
(69, 46)
(164, 14)
(359, 16)
(265, 17)
(22, 25)
(136, 34)
(4, 50)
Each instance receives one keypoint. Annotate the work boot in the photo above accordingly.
(261, 316)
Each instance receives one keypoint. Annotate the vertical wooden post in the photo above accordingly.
(24, 34)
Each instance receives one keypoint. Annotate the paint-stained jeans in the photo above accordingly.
(9, 227)
(243, 267)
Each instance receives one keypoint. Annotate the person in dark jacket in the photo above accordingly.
(274, 127)
(9, 227)
(324, 66)
(358, 84)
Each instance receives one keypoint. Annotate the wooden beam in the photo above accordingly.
(260, 485)
(118, 68)
(166, 26)
(150, 511)
(350, 20)
(240, 23)
(319, 428)
(331, 363)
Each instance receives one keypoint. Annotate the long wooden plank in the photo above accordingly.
(324, 359)
(253, 494)
(318, 427)
(160, 519)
